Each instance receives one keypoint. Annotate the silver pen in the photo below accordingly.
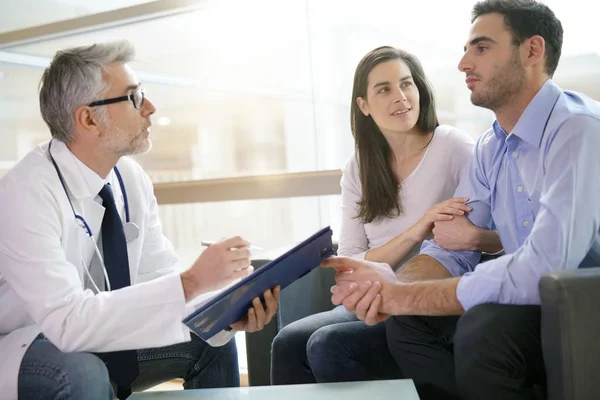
(207, 243)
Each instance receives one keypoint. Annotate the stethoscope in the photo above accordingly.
(130, 229)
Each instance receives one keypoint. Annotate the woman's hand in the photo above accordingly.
(444, 211)
(461, 234)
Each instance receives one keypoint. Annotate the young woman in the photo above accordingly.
(397, 184)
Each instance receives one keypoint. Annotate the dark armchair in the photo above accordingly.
(571, 333)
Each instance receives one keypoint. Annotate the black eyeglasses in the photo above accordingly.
(137, 98)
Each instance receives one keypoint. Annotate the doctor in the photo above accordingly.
(86, 274)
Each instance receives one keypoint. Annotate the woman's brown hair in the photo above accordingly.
(380, 186)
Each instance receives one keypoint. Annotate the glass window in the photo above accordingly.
(266, 89)
(21, 14)
(275, 225)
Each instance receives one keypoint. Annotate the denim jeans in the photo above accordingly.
(48, 373)
(332, 346)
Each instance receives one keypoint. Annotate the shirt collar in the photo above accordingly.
(498, 131)
(79, 178)
(532, 123)
(93, 181)
(530, 126)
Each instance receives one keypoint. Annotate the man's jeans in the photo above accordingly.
(48, 373)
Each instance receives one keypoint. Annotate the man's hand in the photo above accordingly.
(372, 291)
(365, 302)
(217, 266)
(363, 287)
(257, 316)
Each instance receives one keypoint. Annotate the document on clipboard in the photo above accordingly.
(233, 303)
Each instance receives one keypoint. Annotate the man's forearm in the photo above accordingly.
(434, 297)
(189, 287)
(421, 268)
(488, 241)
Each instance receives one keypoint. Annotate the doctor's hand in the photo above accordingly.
(220, 264)
(257, 316)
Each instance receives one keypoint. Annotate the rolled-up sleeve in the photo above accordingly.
(474, 186)
(456, 262)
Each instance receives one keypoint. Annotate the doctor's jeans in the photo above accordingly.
(332, 346)
(48, 373)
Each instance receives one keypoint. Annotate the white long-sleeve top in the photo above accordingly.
(433, 180)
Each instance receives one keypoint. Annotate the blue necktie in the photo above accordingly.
(122, 365)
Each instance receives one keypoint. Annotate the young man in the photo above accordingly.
(535, 172)
(86, 274)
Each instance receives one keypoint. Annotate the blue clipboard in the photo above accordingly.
(233, 304)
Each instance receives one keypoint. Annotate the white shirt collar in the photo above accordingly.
(93, 181)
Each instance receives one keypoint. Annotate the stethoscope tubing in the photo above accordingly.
(87, 227)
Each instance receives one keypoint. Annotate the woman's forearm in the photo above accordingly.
(393, 251)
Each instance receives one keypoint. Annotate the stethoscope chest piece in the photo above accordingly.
(131, 231)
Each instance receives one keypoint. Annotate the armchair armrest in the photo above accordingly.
(571, 333)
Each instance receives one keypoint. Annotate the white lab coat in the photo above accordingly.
(42, 275)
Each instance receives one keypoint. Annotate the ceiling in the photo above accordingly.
(20, 14)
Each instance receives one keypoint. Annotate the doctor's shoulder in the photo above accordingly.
(28, 192)
(32, 171)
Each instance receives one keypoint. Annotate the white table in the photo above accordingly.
(398, 389)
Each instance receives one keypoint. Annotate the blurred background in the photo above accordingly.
(252, 94)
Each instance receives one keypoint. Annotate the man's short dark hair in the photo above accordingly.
(524, 19)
